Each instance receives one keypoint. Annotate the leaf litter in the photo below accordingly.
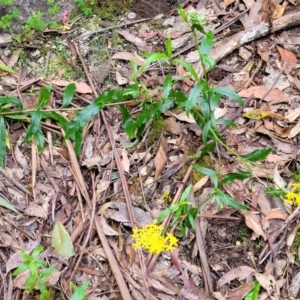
(45, 198)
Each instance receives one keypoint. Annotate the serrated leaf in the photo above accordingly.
(229, 93)
(11, 100)
(167, 86)
(2, 142)
(44, 96)
(68, 94)
(80, 291)
(207, 43)
(8, 205)
(7, 69)
(185, 194)
(77, 142)
(189, 67)
(17, 116)
(154, 110)
(208, 61)
(61, 241)
(34, 126)
(64, 123)
(39, 139)
(241, 175)
(258, 155)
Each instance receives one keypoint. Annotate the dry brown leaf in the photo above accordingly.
(198, 185)
(294, 286)
(239, 293)
(288, 59)
(240, 273)
(81, 87)
(160, 159)
(125, 161)
(141, 44)
(268, 282)
(278, 179)
(263, 49)
(253, 222)
(293, 114)
(173, 126)
(275, 213)
(120, 79)
(278, 10)
(295, 130)
(129, 56)
(274, 96)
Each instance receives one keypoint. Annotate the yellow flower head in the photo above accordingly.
(151, 239)
(293, 196)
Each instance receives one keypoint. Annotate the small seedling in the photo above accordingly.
(38, 272)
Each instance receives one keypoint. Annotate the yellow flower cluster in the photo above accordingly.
(151, 239)
(293, 196)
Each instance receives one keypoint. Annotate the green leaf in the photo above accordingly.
(207, 43)
(229, 93)
(7, 69)
(258, 155)
(11, 100)
(78, 142)
(44, 96)
(34, 126)
(208, 61)
(185, 194)
(197, 23)
(189, 67)
(166, 212)
(68, 94)
(254, 293)
(86, 114)
(205, 131)
(241, 175)
(193, 98)
(225, 122)
(17, 116)
(153, 58)
(169, 49)
(277, 193)
(205, 171)
(207, 148)
(8, 205)
(64, 123)
(128, 124)
(61, 241)
(222, 198)
(183, 14)
(79, 292)
(2, 142)
(168, 82)
(154, 110)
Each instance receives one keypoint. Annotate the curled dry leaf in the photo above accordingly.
(81, 87)
(275, 213)
(141, 44)
(160, 159)
(129, 56)
(240, 273)
(288, 59)
(253, 222)
(274, 96)
(268, 282)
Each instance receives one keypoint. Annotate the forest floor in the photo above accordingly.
(82, 209)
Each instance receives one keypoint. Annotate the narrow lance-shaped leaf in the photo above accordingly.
(153, 58)
(34, 126)
(189, 67)
(68, 94)
(128, 124)
(258, 155)
(229, 93)
(79, 292)
(167, 86)
(193, 98)
(11, 100)
(169, 48)
(207, 43)
(241, 175)
(44, 96)
(2, 142)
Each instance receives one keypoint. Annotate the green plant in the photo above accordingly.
(54, 9)
(35, 22)
(87, 11)
(80, 291)
(7, 2)
(38, 272)
(5, 21)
